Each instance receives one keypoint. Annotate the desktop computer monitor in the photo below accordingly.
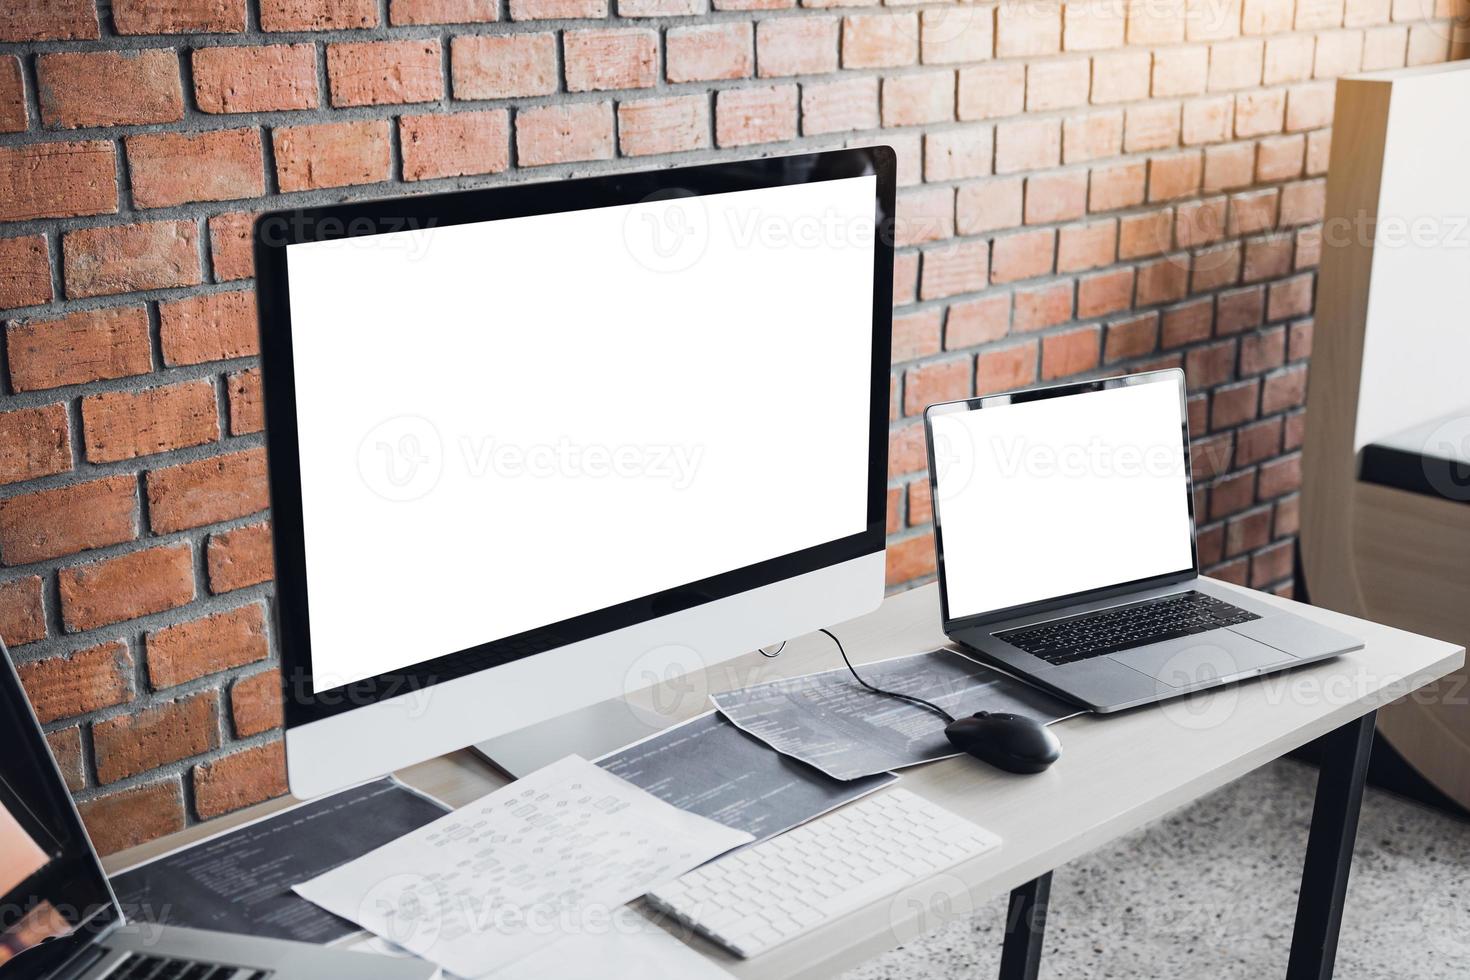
(535, 446)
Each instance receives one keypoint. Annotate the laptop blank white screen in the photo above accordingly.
(1052, 497)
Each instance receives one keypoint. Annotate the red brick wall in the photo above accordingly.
(1102, 186)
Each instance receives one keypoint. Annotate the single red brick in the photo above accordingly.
(616, 58)
(895, 505)
(1028, 144)
(239, 558)
(961, 267)
(796, 46)
(1290, 297)
(57, 180)
(1199, 223)
(1209, 458)
(22, 615)
(834, 107)
(991, 205)
(1228, 166)
(1163, 280)
(660, 8)
(1056, 197)
(335, 154)
(1151, 126)
(673, 125)
(1115, 186)
(919, 98)
(317, 15)
(1234, 404)
(960, 34)
(52, 20)
(1028, 30)
(155, 736)
(1142, 235)
(1303, 203)
(910, 559)
(1188, 323)
(266, 78)
(1207, 120)
(1120, 76)
(1240, 310)
(1071, 352)
(1283, 390)
(564, 133)
(503, 66)
(1092, 136)
(1024, 255)
(906, 450)
(210, 327)
(958, 154)
(231, 247)
(402, 12)
(178, 16)
(1052, 85)
(25, 272)
(764, 114)
(119, 425)
(128, 258)
(1232, 494)
(1280, 158)
(880, 40)
(557, 9)
(240, 779)
(1134, 337)
(207, 491)
(64, 520)
(921, 503)
(126, 587)
(916, 335)
(255, 703)
(1087, 246)
(179, 168)
(977, 321)
(385, 72)
(1174, 176)
(1235, 65)
(90, 345)
(905, 278)
(992, 91)
(1258, 441)
(1006, 368)
(1213, 364)
(709, 51)
(1280, 476)
(1248, 531)
(86, 681)
(247, 412)
(126, 818)
(1259, 113)
(1043, 306)
(1104, 293)
(1215, 267)
(926, 215)
(1263, 351)
(460, 144)
(1094, 27)
(15, 115)
(189, 650)
(109, 88)
(936, 381)
(1288, 517)
(1270, 565)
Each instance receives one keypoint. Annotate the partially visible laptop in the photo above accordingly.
(59, 919)
(1064, 525)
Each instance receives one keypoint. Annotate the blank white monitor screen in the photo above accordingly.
(506, 424)
(1052, 497)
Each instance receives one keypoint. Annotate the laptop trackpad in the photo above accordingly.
(1203, 659)
(1297, 636)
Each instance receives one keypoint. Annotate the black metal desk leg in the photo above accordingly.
(1020, 958)
(1340, 779)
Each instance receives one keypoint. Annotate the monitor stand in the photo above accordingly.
(589, 732)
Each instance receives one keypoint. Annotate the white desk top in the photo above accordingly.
(1117, 772)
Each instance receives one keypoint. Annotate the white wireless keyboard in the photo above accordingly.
(764, 895)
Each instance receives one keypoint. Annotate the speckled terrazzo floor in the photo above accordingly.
(1210, 892)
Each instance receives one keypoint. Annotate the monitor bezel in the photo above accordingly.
(274, 232)
(1172, 376)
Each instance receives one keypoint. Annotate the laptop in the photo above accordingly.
(59, 918)
(1064, 526)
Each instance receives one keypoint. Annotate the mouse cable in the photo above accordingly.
(888, 694)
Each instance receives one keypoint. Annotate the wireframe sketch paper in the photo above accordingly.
(548, 856)
(829, 721)
(709, 767)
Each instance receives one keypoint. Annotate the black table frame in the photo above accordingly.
(1341, 777)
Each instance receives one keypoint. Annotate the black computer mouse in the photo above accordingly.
(1014, 743)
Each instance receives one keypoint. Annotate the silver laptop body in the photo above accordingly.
(1064, 527)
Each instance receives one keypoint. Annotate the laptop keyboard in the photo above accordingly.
(141, 967)
(1066, 641)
